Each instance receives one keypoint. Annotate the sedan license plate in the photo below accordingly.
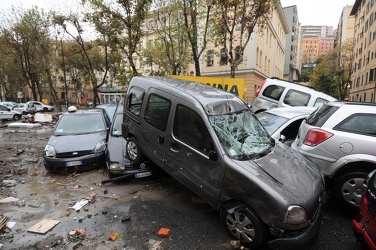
(73, 163)
(142, 175)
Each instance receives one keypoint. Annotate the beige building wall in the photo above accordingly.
(263, 57)
(363, 86)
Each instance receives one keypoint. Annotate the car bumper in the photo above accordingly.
(302, 238)
(131, 171)
(87, 162)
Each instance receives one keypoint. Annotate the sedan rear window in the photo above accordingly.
(320, 116)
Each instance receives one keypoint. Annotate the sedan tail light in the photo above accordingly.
(316, 136)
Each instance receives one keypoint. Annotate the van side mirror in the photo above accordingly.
(213, 155)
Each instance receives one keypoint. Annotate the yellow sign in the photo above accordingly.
(234, 86)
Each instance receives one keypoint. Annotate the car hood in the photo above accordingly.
(292, 174)
(82, 142)
(116, 150)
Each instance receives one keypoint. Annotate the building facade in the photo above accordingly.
(363, 84)
(292, 65)
(317, 31)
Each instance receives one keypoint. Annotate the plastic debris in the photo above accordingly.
(80, 204)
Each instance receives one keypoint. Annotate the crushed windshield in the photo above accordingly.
(241, 134)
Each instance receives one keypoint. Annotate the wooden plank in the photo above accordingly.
(43, 226)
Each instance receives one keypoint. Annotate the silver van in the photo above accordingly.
(211, 142)
(276, 93)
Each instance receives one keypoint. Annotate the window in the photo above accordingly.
(273, 91)
(157, 111)
(319, 102)
(238, 53)
(135, 99)
(296, 98)
(224, 57)
(190, 128)
(359, 123)
(210, 58)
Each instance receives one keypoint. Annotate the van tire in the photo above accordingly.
(252, 232)
(134, 151)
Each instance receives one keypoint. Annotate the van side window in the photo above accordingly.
(273, 91)
(135, 99)
(191, 129)
(157, 111)
(296, 98)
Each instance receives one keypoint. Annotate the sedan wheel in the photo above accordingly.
(16, 117)
(348, 189)
(245, 226)
(134, 152)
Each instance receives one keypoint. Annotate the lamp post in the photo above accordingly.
(65, 76)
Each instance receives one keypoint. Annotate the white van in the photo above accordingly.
(275, 93)
(211, 142)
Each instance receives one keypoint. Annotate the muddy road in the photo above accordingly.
(123, 215)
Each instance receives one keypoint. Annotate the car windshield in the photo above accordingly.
(116, 127)
(271, 122)
(242, 135)
(80, 124)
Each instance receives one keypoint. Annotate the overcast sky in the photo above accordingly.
(311, 12)
(319, 12)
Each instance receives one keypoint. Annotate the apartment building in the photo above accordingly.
(316, 31)
(363, 85)
(292, 65)
(264, 55)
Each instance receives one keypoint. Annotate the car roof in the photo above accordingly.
(290, 112)
(84, 112)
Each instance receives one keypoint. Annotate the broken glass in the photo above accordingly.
(241, 134)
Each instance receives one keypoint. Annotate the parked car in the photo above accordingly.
(40, 107)
(8, 114)
(109, 108)
(340, 139)
(78, 141)
(211, 142)
(117, 161)
(8, 104)
(283, 124)
(365, 227)
(22, 108)
(274, 92)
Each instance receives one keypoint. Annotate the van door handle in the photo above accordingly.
(174, 147)
(161, 139)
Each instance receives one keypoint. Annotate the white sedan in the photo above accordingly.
(283, 123)
(8, 114)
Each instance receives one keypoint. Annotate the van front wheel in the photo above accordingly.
(134, 152)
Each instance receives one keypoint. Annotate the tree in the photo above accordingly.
(20, 30)
(168, 52)
(126, 19)
(332, 74)
(235, 21)
(193, 11)
(92, 59)
(324, 74)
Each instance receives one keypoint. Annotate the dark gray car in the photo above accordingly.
(210, 141)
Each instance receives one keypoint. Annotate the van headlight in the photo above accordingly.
(49, 151)
(100, 147)
(295, 215)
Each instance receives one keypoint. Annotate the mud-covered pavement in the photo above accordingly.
(131, 212)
